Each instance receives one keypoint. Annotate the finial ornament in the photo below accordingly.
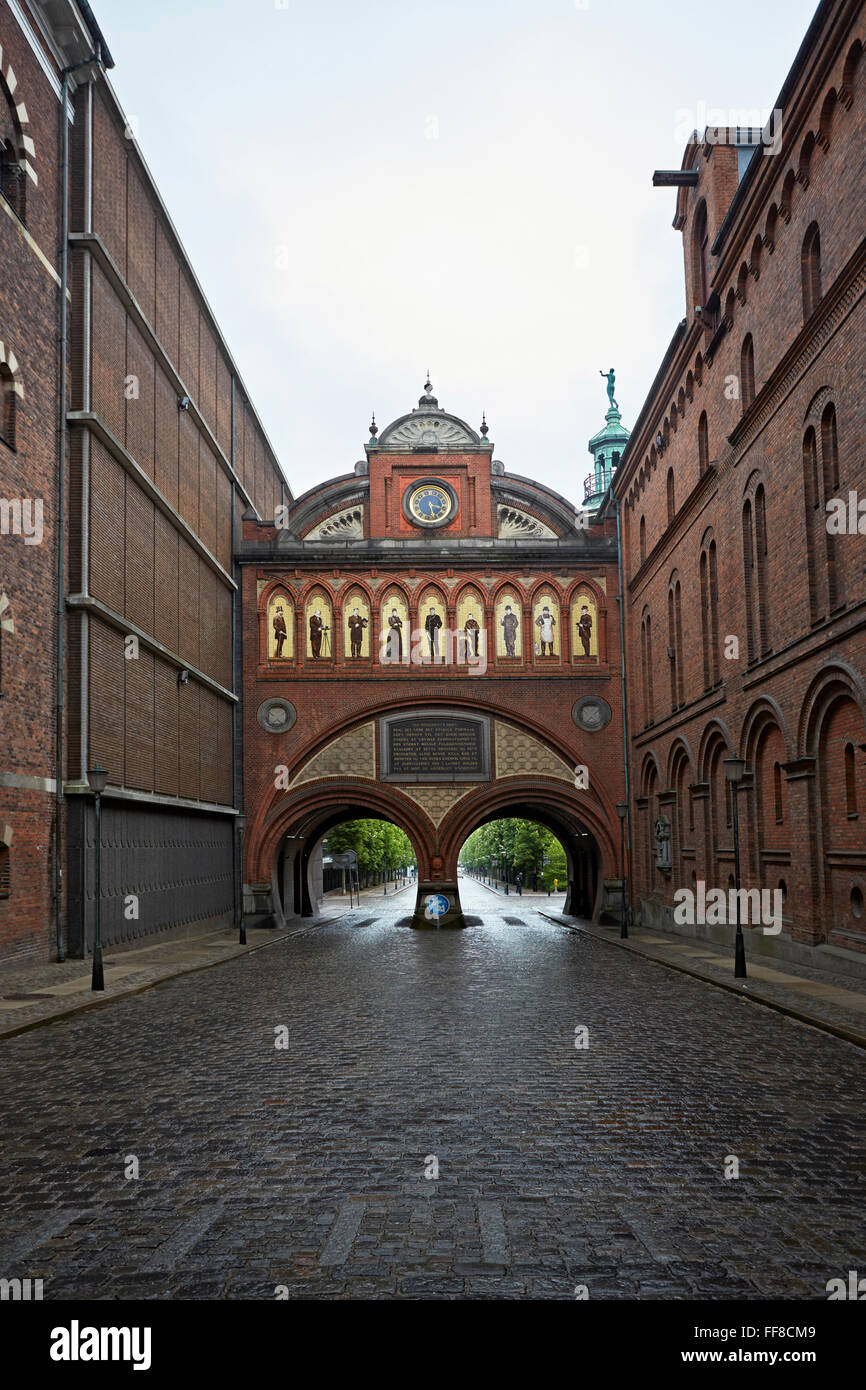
(485, 428)
(373, 429)
(610, 378)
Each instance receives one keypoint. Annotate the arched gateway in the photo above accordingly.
(435, 641)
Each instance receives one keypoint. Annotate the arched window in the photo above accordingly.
(675, 643)
(777, 793)
(705, 618)
(701, 253)
(13, 180)
(642, 533)
(647, 668)
(749, 578)
(747, 371)
(703, 444)
(810, 269)
(761, 570)
(830, 462)
(714, 614)
(812, 503)
(671, 496)
(850, 782)
(9, 406)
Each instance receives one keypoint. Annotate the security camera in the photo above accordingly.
(183, 677)
(699, 313)
(183, 402)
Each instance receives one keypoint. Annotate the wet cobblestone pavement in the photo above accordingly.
(305, 1166)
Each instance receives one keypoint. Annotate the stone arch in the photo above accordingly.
(825, 120)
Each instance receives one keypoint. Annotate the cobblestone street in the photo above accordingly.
(306, 1166)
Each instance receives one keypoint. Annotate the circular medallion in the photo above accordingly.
(430, 503)
(591, 713)
(276, 715)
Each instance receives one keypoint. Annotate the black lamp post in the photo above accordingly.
(622, 812)
(384, 876)
(97, 777)
(734, 769)
(240, 822)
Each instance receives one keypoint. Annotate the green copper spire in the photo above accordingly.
(606, 448)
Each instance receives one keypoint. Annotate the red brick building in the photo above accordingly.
(745, 608)
(429, 534)
(160, 453)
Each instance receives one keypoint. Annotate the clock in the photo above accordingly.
(430, 503)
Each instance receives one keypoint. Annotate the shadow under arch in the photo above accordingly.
(281, 864)
(581, 831)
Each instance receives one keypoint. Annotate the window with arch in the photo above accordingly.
(747, 371)
(810, 269)
(850, 782)
(672, 505)
(710, 614)
(830, 471)
(675, 643)
(703, 444)
(13, 179)
(755, 574)
(814, 527)
(701, 253)
(9, 403)
(642, 538)
(646, 649)
(778, 809)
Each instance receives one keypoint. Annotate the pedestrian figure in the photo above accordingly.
(518, 883)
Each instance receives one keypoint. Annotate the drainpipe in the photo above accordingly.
(621, 601)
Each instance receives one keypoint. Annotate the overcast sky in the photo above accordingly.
(369, 189)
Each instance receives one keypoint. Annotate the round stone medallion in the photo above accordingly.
(591, 713)
(276, 716)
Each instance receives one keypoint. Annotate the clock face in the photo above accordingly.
(431, 504)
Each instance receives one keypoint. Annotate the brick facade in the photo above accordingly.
(755, 616)
(164, 453)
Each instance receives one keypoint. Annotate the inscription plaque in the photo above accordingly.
(435, 746)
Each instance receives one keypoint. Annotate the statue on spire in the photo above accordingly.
(610, 378)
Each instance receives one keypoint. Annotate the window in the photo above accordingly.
(675, 643)
(703, 444)
(748, 577)
(701, 253)
(5, 871)
(812, 503)
(9, 406)
(777, 793)
(647, 668)
(810, 269)
(761, 570)
(747, 372)
(850, 782)
(671, 496)
(642, 539)
(830, 462)
(13, 180)
(705, 618)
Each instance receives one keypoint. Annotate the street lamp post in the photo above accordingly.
(734, 769)
(97, 777)
(240, 822)
(622, 812)
(385, 876)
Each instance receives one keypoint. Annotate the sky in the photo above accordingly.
(367, 191)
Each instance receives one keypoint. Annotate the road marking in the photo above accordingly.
(37, 1236)
(184, 1238)
(342, 1236)
(494, 1243)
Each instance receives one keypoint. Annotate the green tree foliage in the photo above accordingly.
(525, 845)
(373, 841)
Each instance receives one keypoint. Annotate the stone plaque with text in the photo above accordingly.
(434, 746)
